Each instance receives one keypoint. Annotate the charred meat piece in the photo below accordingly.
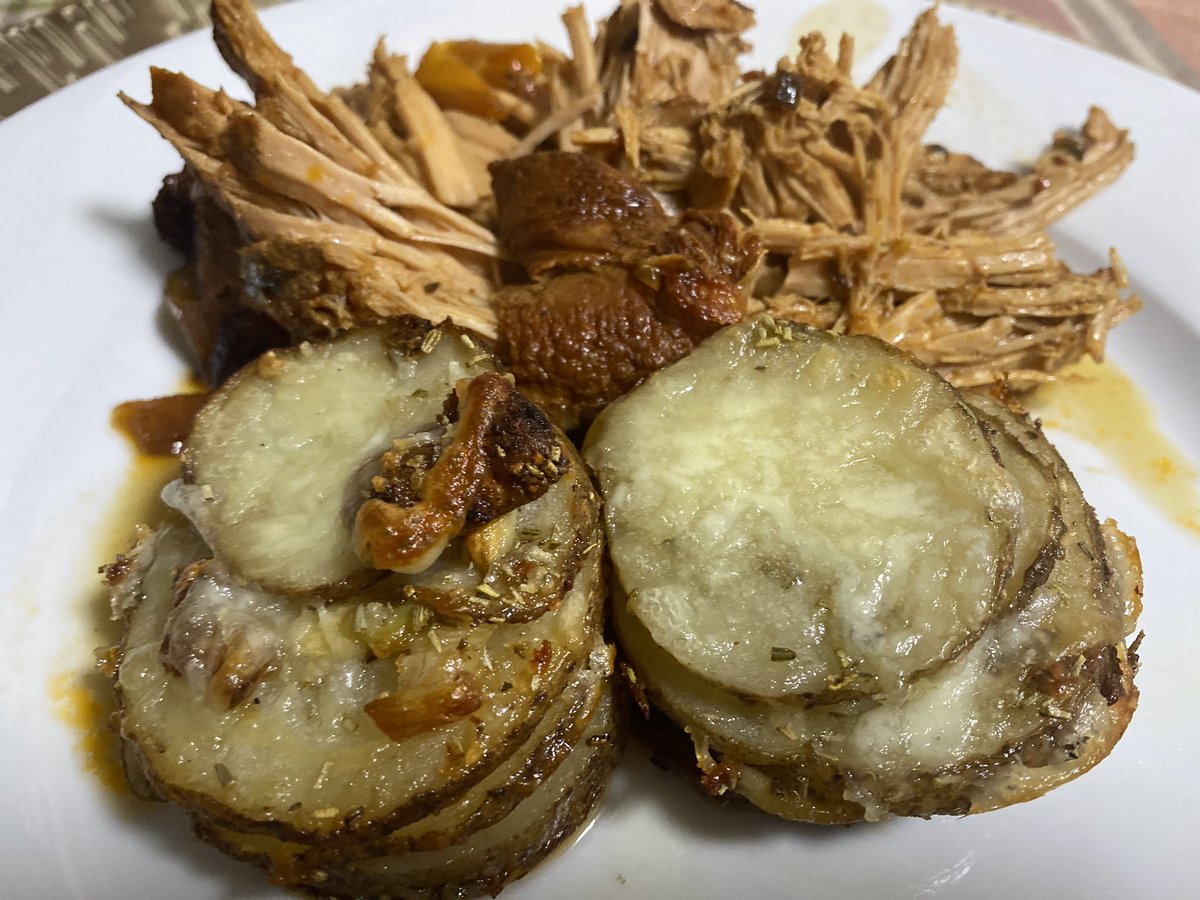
(581, 339)
(499, 453)
(206, 298)
(174, 212)
(699, 268)
(649, 289)
(567, 210)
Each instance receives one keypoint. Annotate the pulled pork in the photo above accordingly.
(311, 195)
(314, 212)
(868, 230)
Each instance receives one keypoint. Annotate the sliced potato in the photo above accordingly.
(298, 753)
(1038, 691)
(496, 855)
(516, 568)
(281, 458)
(740, 728)
(484, 862)
(1039, 539)
(572, 712)
(797, 514)
(328, 693)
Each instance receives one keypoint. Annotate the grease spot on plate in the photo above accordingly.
(85, 703)
(868, 20)
(1101, 405)
(80, 696)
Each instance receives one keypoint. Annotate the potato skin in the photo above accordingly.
(475, 864)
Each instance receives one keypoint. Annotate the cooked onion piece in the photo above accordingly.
(845, 489)
(515, 568)
(281, 458)
(572, 712)
(499, 452)
(1036, 694)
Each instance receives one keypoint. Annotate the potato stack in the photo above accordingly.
(365, 651)
(859, 591)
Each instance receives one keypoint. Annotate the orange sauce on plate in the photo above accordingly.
(86, 706)
(81, 696)
(1100, 404)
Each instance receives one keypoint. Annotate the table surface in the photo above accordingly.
(1160, 35)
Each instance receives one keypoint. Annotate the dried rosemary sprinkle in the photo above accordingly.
(430, 341)
(1054, 711)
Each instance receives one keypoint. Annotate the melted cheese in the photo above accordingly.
(281, 455)
(794, 513)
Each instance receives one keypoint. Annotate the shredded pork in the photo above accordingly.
(378, 200)
(869, 230)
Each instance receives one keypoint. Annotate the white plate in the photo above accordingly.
(82, 270)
